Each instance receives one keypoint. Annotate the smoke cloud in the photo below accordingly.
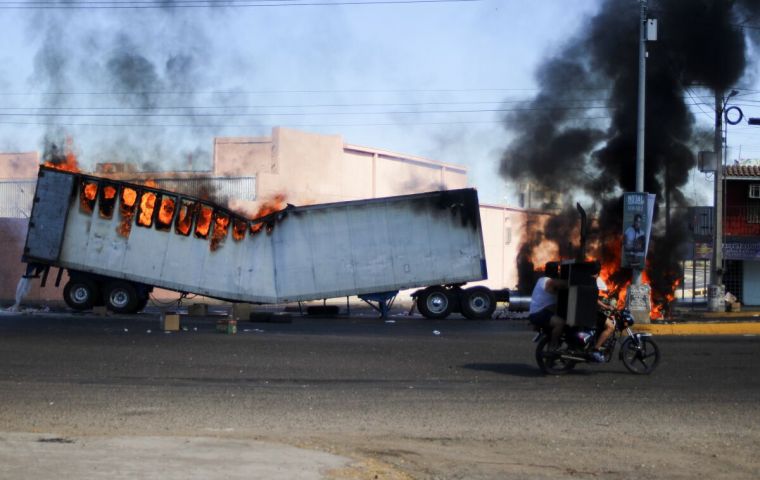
(132, 70)
(578, 136)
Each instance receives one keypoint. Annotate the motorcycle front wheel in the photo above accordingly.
(550, 361)
(640, 355)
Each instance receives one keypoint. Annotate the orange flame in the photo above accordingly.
(147, 205)
(617, 282)
(127, 211)
(238, 229)
(276, 204)
(185, 217)
(107, 201)
(221, 222)
(204, 221)
(165, 213)
(87, 196)
(68, 162)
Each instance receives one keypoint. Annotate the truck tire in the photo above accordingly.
(80, 294)
(121, 297)
(434, 303)
(478, 303)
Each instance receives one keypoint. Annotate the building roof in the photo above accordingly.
(742, 171)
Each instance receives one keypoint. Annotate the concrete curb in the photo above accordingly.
(700, 328)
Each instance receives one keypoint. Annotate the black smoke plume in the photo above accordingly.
(579, 137)
(129, 69)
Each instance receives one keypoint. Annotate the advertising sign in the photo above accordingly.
(741, 251)
(638, 209)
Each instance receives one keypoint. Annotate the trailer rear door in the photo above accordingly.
(49, 212)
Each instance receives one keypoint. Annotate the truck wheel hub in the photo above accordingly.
(80, 294)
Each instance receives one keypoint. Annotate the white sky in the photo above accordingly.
(323, 68)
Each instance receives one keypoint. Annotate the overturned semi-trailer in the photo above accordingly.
(118, 240)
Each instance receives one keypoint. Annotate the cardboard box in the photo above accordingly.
(198, 310)
(170, 322)
(736, 307)
(228, 326)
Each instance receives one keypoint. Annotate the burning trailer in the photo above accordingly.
(119, 240)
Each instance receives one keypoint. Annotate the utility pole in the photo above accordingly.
(716, 291)
(638, 295)
(636, 280)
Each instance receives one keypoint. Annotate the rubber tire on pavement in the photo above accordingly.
(549, 363)
(643, 361)
(478, 303)
(434, 303)
(80, 294)
(121, 297)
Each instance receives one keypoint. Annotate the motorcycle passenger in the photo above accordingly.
(543, 303)
(605, 323)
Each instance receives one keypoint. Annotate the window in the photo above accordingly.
(754, 190)
(127, 210)
(239, 227)
(753, 213)
(146, 208)
(221, 226)
(107, 201)
(184, 222)
(165, 213)
(87, 195)
(203, 221)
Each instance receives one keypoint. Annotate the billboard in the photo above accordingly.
(638, 209)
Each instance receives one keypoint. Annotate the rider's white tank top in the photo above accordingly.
(540, 298)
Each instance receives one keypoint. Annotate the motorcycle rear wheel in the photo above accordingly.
(549, 361)
(640, 357)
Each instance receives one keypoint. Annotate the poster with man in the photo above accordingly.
(638, 209)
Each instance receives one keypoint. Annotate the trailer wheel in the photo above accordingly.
(80, 294)
(434, 303)
(478, 303)
(121, 297)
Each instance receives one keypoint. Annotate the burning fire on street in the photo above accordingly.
(618, 281)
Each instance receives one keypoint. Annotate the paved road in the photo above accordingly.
(409, 398)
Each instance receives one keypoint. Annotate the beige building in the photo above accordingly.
(307, 168)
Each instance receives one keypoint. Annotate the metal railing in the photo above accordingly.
(742, 221)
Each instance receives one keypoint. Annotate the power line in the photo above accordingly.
(276, 114)
(279, 92)
(215, 125)
(247, 107)
(138, 5)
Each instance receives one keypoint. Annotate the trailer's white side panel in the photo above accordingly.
(371, 247)
(314, 252)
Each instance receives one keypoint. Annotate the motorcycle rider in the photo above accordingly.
(543, 303)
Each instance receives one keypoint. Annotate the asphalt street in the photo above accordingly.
(402, 398)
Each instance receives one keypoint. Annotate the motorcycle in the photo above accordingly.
(638, 351)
